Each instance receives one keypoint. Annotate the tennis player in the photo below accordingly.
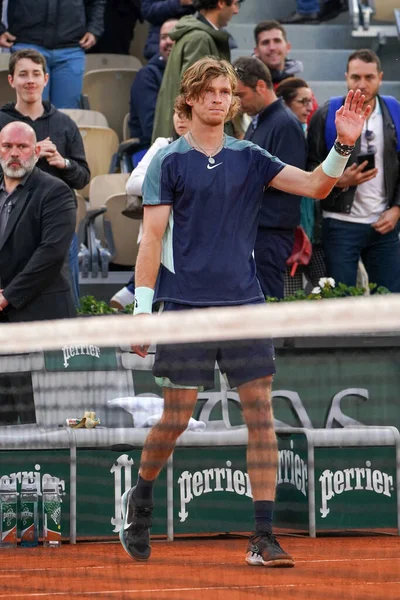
(201, 197)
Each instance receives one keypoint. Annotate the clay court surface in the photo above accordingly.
(362, 568)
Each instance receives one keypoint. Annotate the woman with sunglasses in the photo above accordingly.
(298, 97)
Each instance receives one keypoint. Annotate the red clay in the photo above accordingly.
(345, 568)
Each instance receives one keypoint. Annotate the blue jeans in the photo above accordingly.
(306, 7)
(345, 243)
(66, 68)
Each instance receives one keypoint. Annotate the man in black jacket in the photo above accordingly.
(361, 214)
(277, 130)
(61, 31)
(61, 148)
(37, 221)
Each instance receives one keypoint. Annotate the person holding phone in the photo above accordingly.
(361, 215)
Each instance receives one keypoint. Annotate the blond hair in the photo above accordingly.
(196, 79)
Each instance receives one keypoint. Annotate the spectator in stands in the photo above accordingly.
(156, 12)
(195, 38)
(278, 131)
(299, 98)
(120, 18)
(315, 11)
(360, 216)
(37, 221)
(126, 295)
(145, 88)
(61, 148)
(61, 31)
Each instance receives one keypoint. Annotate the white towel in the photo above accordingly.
(147, 410)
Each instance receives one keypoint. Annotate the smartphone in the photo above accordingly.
(370, 158)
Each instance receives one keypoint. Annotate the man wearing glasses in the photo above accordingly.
(360, 216)
(275, 129)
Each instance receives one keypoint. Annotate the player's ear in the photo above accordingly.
(189, 100)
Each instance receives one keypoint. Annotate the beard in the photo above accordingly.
(26, 166)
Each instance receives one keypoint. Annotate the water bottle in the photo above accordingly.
(29, 512)
(51, 512)
(8, 512)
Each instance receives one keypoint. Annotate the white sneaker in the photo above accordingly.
(122, 298)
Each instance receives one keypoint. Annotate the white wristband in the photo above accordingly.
(334, 164)
(143, 300)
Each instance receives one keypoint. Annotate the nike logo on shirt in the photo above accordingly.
(213, 166)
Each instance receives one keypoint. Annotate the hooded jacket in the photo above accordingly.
(54, 24)
(194, 38)
(64, 133)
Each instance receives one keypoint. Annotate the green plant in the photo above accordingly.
(90, 306)
(327, 288)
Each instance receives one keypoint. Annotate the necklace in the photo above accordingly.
(211, 160)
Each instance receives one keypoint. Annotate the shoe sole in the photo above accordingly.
(258, 561)
(124, 505)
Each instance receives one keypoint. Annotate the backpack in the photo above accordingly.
(336, 102)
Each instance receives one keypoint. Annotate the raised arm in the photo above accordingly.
(349, 123)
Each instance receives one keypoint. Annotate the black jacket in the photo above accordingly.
(144, 92)
(35, 245)
(54, 24)
(64, 133)
(342, 201)
(156, 12)
(280, 133)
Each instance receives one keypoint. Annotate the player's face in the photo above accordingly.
(272, 48)
(28, 80)
(365, 77)
(251, 101)
(181, 124)
(302, 104)
(214, 103)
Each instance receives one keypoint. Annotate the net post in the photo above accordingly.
(72, 487)
(170, 499)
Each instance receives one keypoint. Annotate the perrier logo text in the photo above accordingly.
(355, 478)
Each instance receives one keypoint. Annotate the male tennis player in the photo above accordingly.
(202, 197)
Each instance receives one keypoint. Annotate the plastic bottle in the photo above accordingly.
(8, 512)
(29, 512)
(51, 512)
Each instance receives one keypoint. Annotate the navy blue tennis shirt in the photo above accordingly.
(207, 253)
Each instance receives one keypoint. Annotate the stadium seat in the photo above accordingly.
(4, 60)
(111, 61)
(86, 117)
(126, 134)
(81, 209)
(384, 10)
(100, 143)
(7, 94)
(124, 231)
(108, 91)
(104, 186)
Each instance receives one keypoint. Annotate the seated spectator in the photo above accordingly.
(145, 88)
(120, 18)
(272, 48)
(315, 11)
(299, 98)
(126, 295)
(61, 148)
(61, 31)
(156, 12)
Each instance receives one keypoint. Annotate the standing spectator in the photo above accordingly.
(278, 131)
(62, 32)
(145, 88)
(299, 98)
(360, 216)
(272, 48)
(120, 18)
(37, 221)
(156, 12)
(61, 148)
(195, 38)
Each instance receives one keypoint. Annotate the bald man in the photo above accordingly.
(37, 221)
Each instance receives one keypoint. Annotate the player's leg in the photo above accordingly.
(262, 463)
(138, 503)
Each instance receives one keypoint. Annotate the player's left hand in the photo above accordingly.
(388, 220)
(350, 118)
